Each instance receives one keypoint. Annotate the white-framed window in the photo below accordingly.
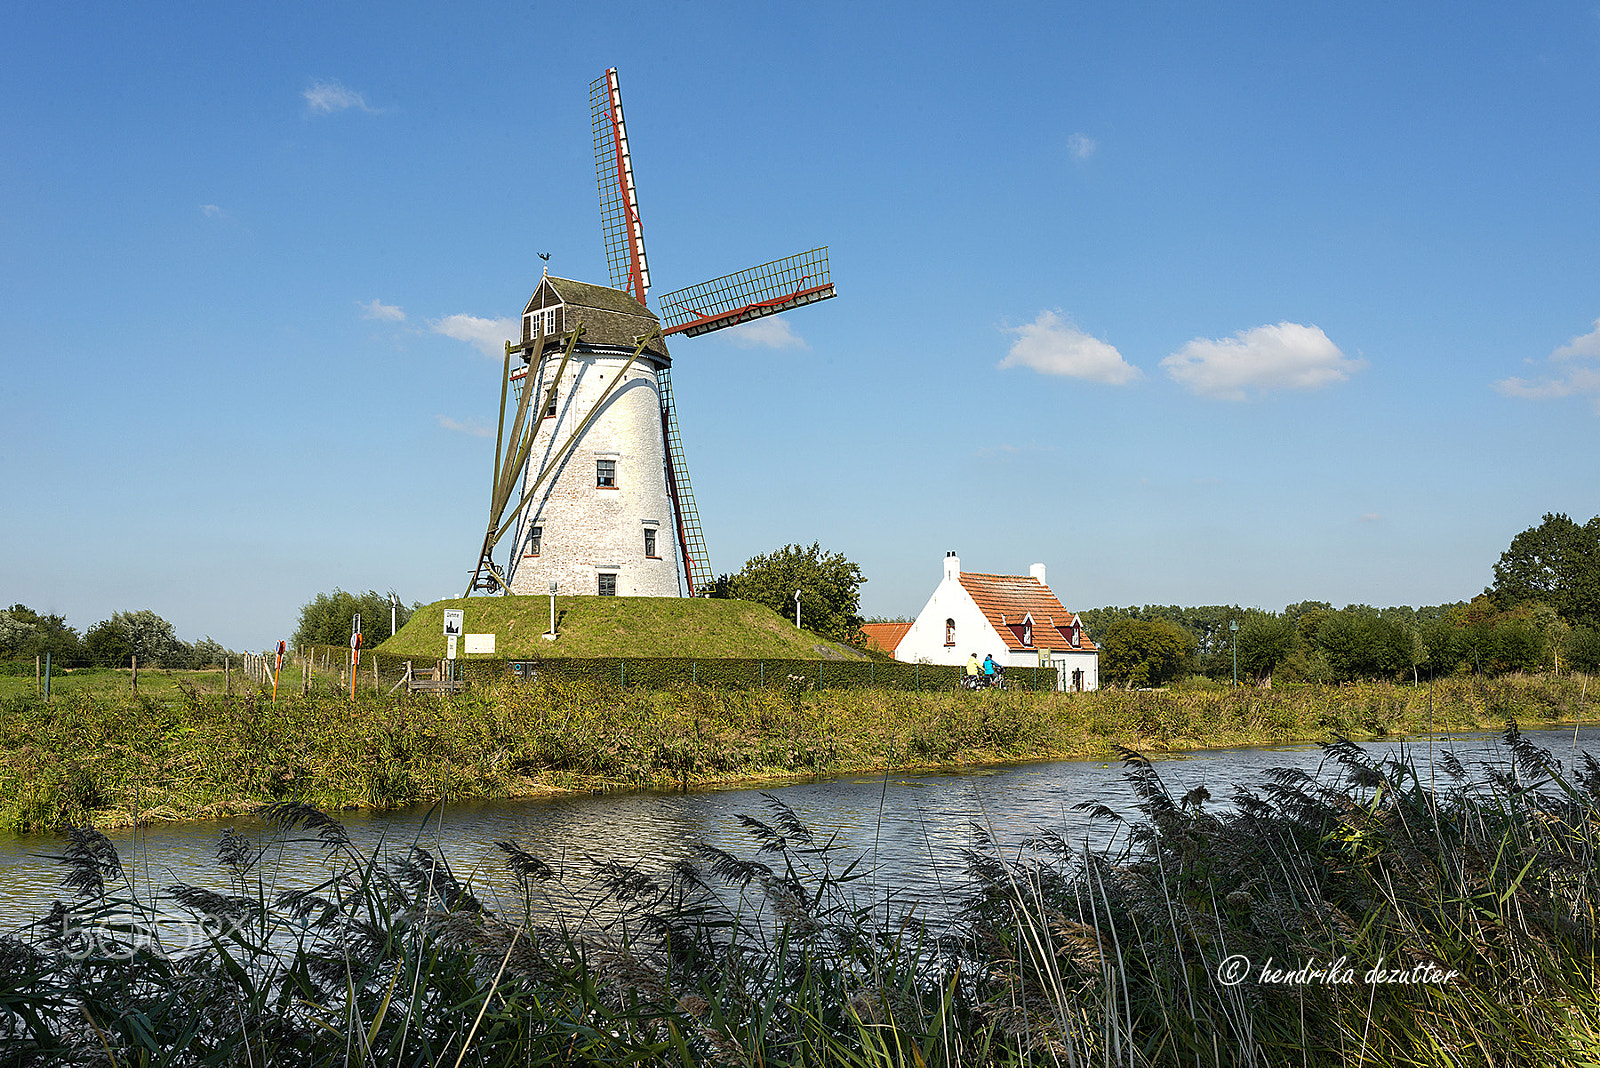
(535, 536)
(949, 632)
(605, 473)
(547, 321)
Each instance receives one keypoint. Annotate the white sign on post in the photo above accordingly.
(451, 654)
(479, 644)
(454, 620)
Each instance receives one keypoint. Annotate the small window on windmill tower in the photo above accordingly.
(650, 542)
(550, 409)
(535, 536)
(949, 632)
(608, 585)
(605, 473)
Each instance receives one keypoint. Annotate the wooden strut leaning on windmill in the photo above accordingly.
(508, 463)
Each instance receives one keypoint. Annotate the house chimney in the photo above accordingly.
(1037, 571)
(952, 565)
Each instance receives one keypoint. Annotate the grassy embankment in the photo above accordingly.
(616, 626)
(1361, 916)
(111, 758)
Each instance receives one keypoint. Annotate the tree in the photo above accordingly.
(107, 645)
(325, 619)
(1265, 641)
(829, 587)
(142, 634)
(1557, 562)
(1139, 652)
(1583, 649)
(25, 634)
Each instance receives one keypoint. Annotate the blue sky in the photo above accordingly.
(1196, 304)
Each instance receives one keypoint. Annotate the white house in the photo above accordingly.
(1014, 618)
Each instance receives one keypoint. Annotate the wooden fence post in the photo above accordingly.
(135, 674)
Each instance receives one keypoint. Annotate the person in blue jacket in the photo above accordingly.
(988, 669)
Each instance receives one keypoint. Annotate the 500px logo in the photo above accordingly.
(1233, 970)
(125, 936)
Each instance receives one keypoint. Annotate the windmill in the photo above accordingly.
(592, 453)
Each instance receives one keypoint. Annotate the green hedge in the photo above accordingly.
(665, 671)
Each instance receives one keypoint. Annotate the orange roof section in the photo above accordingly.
(1005, 600)
(885, 636)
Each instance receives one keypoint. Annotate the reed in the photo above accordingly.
(111, 758)
(779, 955)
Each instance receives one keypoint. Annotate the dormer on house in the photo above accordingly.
(545, 314)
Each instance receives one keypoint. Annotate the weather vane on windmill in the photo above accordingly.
(591, 455)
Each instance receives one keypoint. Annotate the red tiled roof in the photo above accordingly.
(1006, 600)
(885, 636)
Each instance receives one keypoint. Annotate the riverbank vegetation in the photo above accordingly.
(110, 757)
(1366, 916)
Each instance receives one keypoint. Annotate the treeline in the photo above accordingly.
(1314, 642)
(26, 634)
(1542, 614)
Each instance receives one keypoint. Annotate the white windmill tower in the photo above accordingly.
(592, 453)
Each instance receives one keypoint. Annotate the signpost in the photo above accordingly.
(454, 621)
(275, 672)
(355, 650)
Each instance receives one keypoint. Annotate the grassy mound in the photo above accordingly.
(697, 627)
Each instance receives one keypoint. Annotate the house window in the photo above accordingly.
(650, 542)
(1027, 633)
(605, 473)
(608, 584)
(535, 536)
(1077, 636)
(949, 632)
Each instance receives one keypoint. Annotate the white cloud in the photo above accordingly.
(771, 331)
(1081, 146)
(330, 96)
(377, 309)
(211, 211)
(1573, 380)
(1052, 345)
(1581, 347)
(1369, 517)
(1267, 358)
(487, 335)
(471, 426)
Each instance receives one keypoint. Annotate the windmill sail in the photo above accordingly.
(619, 202)
(791, 282)
(696, 560)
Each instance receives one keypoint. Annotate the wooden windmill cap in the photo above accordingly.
(610, 317)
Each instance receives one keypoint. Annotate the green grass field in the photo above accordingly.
(691, 627)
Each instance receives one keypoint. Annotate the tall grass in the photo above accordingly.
(112, 758)
(778, 955)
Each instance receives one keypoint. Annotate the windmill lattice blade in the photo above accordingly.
(692, 540)
(619, 202)
(791, 282)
